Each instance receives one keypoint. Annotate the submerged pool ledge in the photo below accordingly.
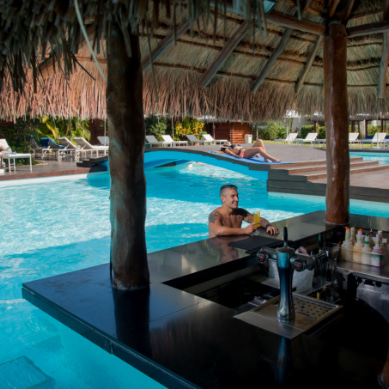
(184, 341)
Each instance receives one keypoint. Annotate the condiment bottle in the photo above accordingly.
(357, 249)
(366, 252)
(377, 253)
(347, 247)
(352, 235)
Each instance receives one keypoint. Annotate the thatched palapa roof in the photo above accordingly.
(225, 59)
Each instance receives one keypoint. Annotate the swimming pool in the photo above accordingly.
(53, 226)
(382, 158)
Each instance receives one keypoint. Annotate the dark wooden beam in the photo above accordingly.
(308, 65)
(336, 117)
(385, 55)
(367, 29)
(347, 10)
(293, 22)
(165, 43)
(126, 161)
(271, 61)
(224, 54)
(332, 5)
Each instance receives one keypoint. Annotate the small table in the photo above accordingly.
(13, 157)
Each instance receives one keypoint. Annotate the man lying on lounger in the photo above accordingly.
(227, 219)
(256, 150)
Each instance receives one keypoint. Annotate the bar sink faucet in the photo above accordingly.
(287, 261)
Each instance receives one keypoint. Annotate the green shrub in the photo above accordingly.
(322, 133)
(305, 130)
(156, 126)
(273, 130)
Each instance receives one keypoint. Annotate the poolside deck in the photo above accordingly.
(366, 185)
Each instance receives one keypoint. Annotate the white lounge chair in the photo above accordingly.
(8, 149)
(104, 140)
(192, 139)
(353, 138)
(169, 139)
(85, 145)
(289, 139)
(75, 150)
(310, 138)
(211, 140)
(153, 141)
(379, 138)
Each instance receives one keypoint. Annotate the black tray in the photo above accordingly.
(254, 243)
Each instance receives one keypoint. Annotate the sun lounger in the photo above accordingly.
(211, 140)
(153, 141)
(8, 149)
(192, 139)
(76, 150)
(289, 139)
(104, 140)
(85, 145)
(38, 150)
(378, 138)
(353, 138)
(169, 139)
(310, 138)
(60, 152)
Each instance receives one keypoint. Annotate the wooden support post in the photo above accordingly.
(336, 116)
(385, 56)
(128, 184)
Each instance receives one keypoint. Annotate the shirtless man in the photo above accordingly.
(227, 219)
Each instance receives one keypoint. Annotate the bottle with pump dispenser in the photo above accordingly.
(377, 252)
(347, 246)
(366, 251)
(357, 249)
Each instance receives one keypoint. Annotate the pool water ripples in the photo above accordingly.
(53, 227)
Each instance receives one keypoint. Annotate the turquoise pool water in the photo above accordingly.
(382, 158)
(54, 226)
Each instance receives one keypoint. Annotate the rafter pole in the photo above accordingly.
(295, 24)
(271, 61)
(332, 5)
(385, 56)
(165, 43)
(336, 119)
(368, 29)
(347, 10)
(224, 54)
(308, 65)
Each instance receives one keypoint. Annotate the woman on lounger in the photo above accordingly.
(257, 148)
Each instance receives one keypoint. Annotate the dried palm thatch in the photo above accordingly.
(46, 67)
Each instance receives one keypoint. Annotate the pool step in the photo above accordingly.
(317, 170)
(353, 170)
(323, 168)
(21, 373)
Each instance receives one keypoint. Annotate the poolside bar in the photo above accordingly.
(185, 330)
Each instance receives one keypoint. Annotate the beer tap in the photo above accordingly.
(287, 261)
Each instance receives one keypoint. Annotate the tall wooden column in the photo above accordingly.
(336, 116)
(128, 184)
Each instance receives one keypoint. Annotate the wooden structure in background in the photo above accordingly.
(234, 132)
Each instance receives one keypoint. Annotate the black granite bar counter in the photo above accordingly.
(182, 340)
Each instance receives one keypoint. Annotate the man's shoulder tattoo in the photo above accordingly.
(213, 217)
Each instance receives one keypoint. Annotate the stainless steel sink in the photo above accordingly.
(309, 313)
